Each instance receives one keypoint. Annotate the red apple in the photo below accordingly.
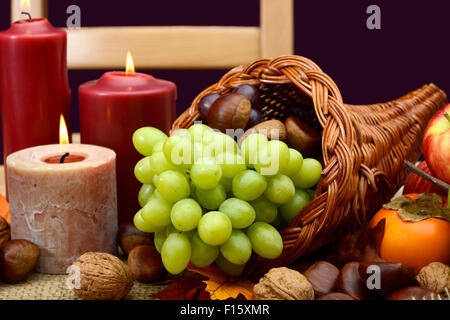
(436, 144)
(417, 184)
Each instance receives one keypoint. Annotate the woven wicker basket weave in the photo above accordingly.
(363, 147)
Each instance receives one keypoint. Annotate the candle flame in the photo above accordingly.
(130, 63)
(25, 5)
(63, 133)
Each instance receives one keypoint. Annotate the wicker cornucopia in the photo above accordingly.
(363, 147)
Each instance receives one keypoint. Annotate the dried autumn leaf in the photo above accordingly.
(4, 209)
(223, 287)
(188, 287)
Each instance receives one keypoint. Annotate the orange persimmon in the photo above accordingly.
(414, 243)
(4, 208)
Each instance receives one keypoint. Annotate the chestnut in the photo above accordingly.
(415, 293)
(146, 264)
(17, 259)
(350, 282)
(256, 117)
(251, 92)
(5, 232)
(230, 111)
(302, 137)
(323, 277)
(129, 237)
(336, 296)
(391, 277)
(205, 103)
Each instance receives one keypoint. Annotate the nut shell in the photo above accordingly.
(266, 128)
(415, 293)
(146, 264)
(283, 284)
(17, 259)
(323, 277)
(302, 137)
(102, 277)
(336, 296)
(130, 237)
(230, 111)
(434, 277)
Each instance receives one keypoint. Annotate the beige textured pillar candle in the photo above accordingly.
(66, 209)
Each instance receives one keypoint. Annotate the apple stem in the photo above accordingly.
(411, 167)
(447, 116)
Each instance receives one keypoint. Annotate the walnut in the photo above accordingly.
(283, 284)
(435, 277)
(102, 277)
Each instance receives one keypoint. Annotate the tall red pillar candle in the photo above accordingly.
(115, 106)
(34, 86)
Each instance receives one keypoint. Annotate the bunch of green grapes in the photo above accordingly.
(206, 200)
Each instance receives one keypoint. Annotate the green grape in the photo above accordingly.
(265, 210)
(214, 228)
(289, 210)
(145, 138)
(173, 186)
(162, 235)
(144, 225)
(309, 174)
(157, 212)
(211, 198)
(193, 190)
(248, 185)
(231, 163)
(227, 184)
(198, 131)
(312, 193)
(176, 253)
(159, 239)
(145, 194)
(265, 239)
(198, 152)
(276, 222)
(181, 132)
(179, 150)
(237, 249)
(240, 212)
(294, 165)
(206, 173)
(251, 146)
(160, 164)
(155, 179)
(273, 159)
(185, 214)
(143, 171)
(156, 195)
(280, 189)
(202, 254)
(229, 268)
(216, 143)
(158, 147)
(189, 234)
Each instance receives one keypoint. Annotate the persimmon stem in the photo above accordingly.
(412, 168)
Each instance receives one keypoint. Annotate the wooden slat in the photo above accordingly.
(38, 10)
(173, 47)
(277, 27)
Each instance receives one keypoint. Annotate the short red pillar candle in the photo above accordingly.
(115, 106)
(34, 86)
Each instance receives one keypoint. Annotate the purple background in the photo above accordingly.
(368, 66)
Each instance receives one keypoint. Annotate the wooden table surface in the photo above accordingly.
(75, 139)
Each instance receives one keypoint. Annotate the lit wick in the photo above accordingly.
(27, 14)
(65, 155)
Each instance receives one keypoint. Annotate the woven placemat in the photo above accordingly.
(53, 287)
